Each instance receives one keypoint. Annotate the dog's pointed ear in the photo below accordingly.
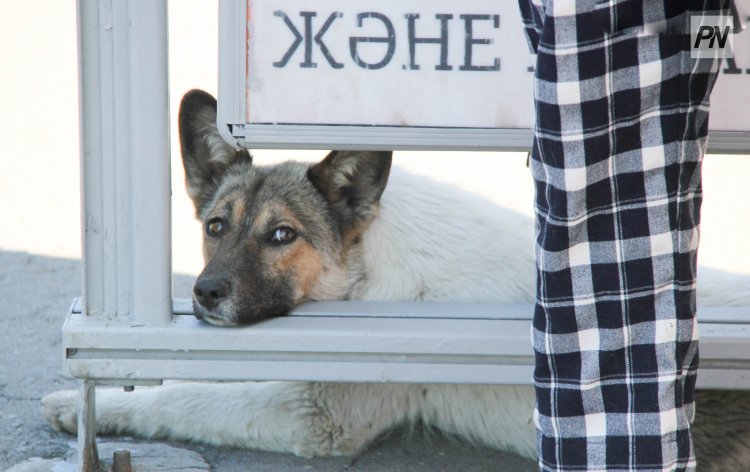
(205, 154)
(352, 183)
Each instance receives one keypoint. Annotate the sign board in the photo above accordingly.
(410, 74)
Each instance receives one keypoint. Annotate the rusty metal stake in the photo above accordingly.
(88, 457)
(121, 461)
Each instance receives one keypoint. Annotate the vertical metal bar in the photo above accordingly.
(95, 277)
(150, 165)
(116, 81)
(125, 170)
(88, 455)
(233, 66)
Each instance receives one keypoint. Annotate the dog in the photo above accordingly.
(348, 228)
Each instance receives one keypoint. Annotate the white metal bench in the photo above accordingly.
(357, 341)
(128, 332)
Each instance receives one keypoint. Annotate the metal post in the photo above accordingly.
(150, 187)
(125, 170)
(88, 456)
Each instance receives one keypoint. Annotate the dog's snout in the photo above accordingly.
(210, 292)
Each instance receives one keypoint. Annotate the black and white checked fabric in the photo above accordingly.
(622, 119)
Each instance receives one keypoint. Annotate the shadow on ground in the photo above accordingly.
(35, 294)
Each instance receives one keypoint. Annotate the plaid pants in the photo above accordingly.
(621, 125)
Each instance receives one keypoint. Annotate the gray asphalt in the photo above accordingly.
(35, 294)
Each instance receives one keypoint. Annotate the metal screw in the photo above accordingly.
(121, 461)
(129, 388)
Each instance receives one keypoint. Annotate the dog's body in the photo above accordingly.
(282, 235)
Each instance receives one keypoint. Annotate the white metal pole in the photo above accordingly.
(126, 222)
(150, 165)
(99, 262)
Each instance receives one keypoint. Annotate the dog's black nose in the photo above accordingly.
(210, 292)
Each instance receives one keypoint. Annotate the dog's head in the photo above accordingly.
(273, 236)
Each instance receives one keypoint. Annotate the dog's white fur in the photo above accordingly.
(429, 242)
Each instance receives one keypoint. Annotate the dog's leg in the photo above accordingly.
(307, 419)
(497, 416)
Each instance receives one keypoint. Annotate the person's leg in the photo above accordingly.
(622, 118)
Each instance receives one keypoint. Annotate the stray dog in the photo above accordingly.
(281, 235)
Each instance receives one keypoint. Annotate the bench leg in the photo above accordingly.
(88, 456)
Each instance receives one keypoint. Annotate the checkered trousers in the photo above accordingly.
(621, 124)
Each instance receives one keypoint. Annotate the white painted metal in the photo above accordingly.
(386, 139)
(381, 138)
(360, 341)
(150, 171)
(359, 309)
(99, 273)
(125, 159)
(334, 348)
(729, 142)
(406, 139)
(231, 110)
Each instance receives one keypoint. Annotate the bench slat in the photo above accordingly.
(358, 341)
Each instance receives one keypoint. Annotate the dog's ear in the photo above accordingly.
(205, 154)
(352, 183)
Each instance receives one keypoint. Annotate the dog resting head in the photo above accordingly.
(273, 235)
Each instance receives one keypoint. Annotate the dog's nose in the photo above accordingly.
(210, 292)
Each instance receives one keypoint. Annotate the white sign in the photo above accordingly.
(407, 74)
(344, 62)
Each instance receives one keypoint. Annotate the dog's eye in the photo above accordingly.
(215, 227)
(283, 235)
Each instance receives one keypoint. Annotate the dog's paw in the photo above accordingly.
(61, 410)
